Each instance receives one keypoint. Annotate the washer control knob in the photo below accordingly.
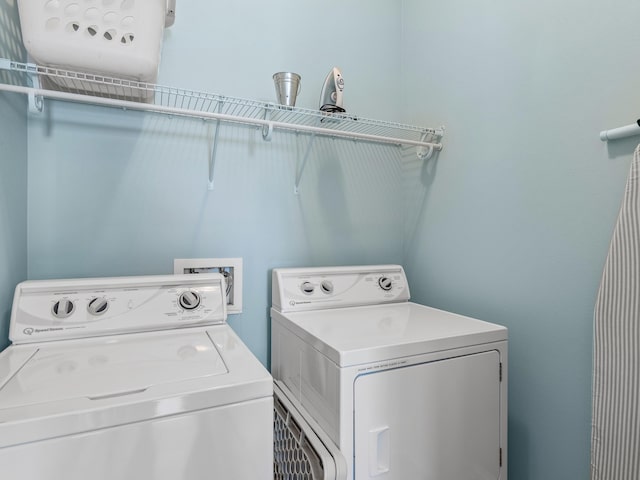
(63, 308)
(326, 286)
(385, 283)
(97, 306)
(189, 300)
(307, 288)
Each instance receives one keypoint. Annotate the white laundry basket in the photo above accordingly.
(114, 38)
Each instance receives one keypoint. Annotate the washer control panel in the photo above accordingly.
(64, 309)
(297, 289)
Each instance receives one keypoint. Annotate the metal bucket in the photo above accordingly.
(287, 87)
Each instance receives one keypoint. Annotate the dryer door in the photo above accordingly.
(433, 421)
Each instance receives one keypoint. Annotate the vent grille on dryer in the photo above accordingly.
(294, 457)
(302, 450)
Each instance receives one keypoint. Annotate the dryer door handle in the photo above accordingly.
(379, 451)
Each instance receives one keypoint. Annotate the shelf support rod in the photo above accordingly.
(300, 169)
(214, 149)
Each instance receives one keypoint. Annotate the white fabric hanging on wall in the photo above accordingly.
(615, 435)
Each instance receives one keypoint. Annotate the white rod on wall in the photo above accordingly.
(621, 132)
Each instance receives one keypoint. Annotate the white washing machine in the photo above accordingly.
(407, 392)
(131, 378)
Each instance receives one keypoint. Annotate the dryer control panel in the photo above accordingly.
(299, 289)
(65, 309)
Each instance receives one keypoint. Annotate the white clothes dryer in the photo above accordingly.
(405, 391)
(131, 378)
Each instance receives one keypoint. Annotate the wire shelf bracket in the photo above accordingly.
(35, 102)
(42, 82)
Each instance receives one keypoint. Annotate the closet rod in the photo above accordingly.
(621, 132)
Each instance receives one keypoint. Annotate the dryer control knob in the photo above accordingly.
(307, 288)
(189, 300)
(97, 306)
(326, 286)
(63, 308)
(385, 283)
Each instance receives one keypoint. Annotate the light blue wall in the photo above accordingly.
(510, 224)
(113, 193)
(515, 217)
(13, 173)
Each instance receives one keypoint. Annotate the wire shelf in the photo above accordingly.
(116, 92)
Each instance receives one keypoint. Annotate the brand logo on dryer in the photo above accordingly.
(293, 303)
(31, 331)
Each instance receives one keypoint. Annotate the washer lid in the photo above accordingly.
(357, 335)
(112, 367)
(66, 387)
